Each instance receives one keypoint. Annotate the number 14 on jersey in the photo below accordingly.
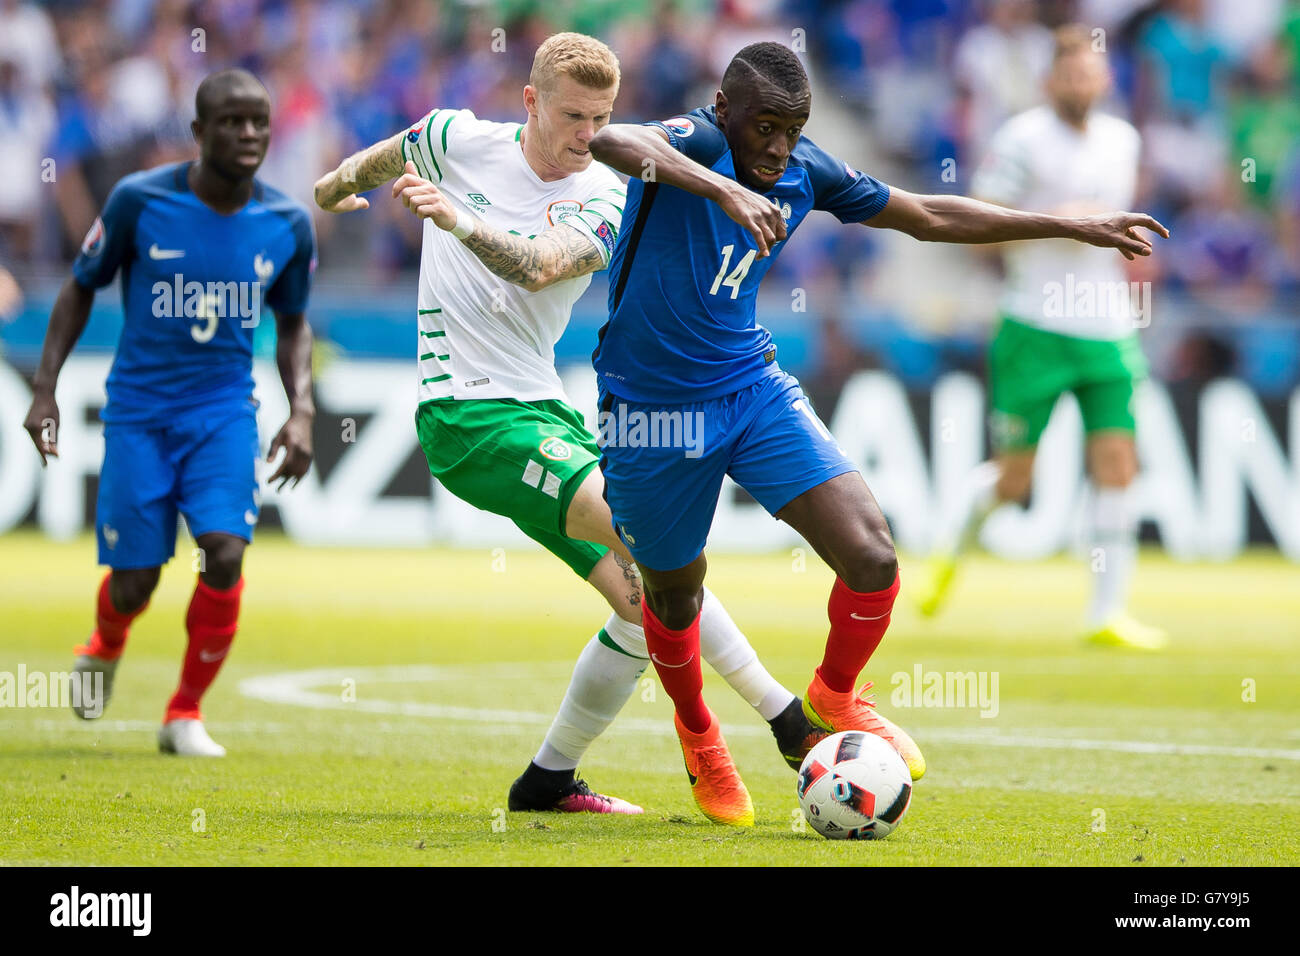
(737, 276)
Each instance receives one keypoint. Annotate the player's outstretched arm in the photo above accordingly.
(293, 357)
(959, 219)
(643, 152)
(67, 321)
(558, 253)
(375, 165)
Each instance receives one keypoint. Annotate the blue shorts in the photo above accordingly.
(663, 474)
(203, 464)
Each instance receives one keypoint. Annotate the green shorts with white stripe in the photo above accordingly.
(522, 460)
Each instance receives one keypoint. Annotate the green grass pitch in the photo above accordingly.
(437, 672)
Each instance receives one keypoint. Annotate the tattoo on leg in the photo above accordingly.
(633, 577)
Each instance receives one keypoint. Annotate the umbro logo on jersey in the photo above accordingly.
(479, 200)
(156, 254)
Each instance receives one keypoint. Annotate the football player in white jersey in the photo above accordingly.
(517, 217)
(1069, 323)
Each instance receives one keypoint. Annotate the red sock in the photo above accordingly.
(858, 622)
(111, 626)
(676, 657)
(210, 623)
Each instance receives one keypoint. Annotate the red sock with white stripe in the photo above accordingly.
(210, 622)
(676, 657)
(858, 623)
(111, 626)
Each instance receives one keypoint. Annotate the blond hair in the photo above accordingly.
(584, 59)
(1070, 39)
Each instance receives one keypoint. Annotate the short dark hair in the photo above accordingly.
(215, 85)
(774, 62)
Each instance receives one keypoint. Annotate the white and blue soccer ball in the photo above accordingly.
(854, 786)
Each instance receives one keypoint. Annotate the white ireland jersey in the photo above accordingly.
(481, 336)
(1039, 163)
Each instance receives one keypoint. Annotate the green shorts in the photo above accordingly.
(522, 460)
(1030, 368)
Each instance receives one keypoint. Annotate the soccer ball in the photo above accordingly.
(854, 786)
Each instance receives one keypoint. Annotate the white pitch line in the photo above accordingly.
(292, 688)
(1118, 746)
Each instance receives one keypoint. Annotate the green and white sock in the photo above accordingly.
(603, 679)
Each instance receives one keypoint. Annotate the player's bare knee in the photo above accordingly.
(223, 562)
(1114, 470)
(676, 608)
(1014, 484)
(873, 565)
(131, 589)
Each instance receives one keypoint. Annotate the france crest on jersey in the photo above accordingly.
(684, 277)
(194, 284)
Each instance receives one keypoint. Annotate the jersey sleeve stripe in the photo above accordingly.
(591, 202)
(436, 378)
(444, 133)
(428, 311)
(436, 168)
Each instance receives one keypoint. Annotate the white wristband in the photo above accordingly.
(464, 223)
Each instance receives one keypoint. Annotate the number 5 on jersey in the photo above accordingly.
(736, 277)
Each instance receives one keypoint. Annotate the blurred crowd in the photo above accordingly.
(93, 89)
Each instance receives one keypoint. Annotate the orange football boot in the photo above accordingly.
(848, 711)
(715, 783)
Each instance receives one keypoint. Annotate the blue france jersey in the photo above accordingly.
(194, 284)
(684, 277)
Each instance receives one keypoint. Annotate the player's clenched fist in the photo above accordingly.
(42, 424)
(758, 215)
(424, 198)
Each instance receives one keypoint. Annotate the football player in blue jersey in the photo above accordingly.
(200, 247)
(682, 346)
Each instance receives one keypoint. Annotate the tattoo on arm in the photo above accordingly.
(632, 576)
(363, 171)
(559, 253)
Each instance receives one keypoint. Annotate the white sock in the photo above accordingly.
(729, 653)
(1113, 552)
(603, 679)
(976, 500)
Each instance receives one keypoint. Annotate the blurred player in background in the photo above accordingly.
(1067, 158)
(199, 244)
(713, 197)
(496, 290)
